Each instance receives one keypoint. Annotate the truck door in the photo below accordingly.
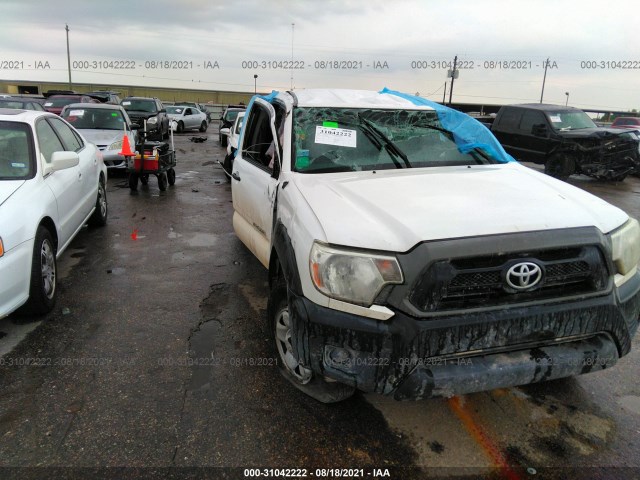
(253, 181)
(533, 136)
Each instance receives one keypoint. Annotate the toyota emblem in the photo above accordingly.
(524, 276)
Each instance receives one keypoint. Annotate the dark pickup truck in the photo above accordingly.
(566, 141)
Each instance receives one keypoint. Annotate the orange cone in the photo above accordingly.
(126, 148)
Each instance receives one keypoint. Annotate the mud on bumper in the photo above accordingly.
(413, 358)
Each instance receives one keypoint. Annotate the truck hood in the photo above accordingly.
(8, 188)
(601, 132)
(393, 210)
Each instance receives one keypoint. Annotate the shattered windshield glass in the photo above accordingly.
(350, 139)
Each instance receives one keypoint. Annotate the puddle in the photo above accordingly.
(202, 240)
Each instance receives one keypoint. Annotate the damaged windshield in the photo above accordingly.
(351, 139)
(570, 120)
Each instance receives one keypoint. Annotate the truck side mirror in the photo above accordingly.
(539, 130)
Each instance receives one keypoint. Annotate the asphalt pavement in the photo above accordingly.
(157, 363)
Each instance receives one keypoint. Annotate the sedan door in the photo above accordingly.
(65, 184)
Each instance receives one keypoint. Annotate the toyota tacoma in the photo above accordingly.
(408, 254)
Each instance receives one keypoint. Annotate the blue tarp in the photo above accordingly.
(468, 133)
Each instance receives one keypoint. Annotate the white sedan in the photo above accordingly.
(187, 118)
(52, 182)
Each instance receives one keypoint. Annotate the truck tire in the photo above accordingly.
(302, 378)
(560, 165)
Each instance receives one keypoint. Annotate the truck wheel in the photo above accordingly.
(560, 166)
(301, 377)
(203, 127)
(99, 216)
(42, 289)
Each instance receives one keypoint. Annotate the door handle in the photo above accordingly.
(236, 176)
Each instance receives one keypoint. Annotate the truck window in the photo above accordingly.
(510, 119)
(258, 138)
(531, 118)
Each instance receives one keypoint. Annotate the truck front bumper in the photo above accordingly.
(414, 358)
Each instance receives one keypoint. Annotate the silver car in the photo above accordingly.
(104, 125)
(187, 118)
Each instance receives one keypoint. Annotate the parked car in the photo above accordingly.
(52, 181)
(106, 96)
(626, 122)
(151, 110)
(55, 103)
(226, 121)
(566, 141)
(22, 104)
(408, 254)
(187, 118)
(232, 145)
(104, 125)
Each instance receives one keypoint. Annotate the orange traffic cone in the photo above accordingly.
(126, 148)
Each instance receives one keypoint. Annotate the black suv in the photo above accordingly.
(140, 109)
(566, 141)
(226, 121)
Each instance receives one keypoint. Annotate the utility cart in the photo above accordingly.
(152, 158)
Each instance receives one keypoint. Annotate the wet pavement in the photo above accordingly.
(157, 358)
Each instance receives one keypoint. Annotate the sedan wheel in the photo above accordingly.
(99, 217)
(42, 290)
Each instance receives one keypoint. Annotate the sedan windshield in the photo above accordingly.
(570, 120)
(140, 105)
(16, 151)
(175, 110)
(94, 118)
(349, 139)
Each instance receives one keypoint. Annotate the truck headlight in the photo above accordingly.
(351, 276)
(625, 242)
(152, 121)
(115, 146)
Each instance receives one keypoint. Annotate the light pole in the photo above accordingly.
(567, 102)
(66, 27)
(544, 79)
(255, 83)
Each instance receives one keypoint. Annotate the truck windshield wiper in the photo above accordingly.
(390, 147)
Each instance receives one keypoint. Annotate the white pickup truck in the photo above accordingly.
(408, 254)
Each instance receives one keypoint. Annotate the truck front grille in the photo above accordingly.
(482, 281)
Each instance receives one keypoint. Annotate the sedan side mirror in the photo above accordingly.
(61, 161)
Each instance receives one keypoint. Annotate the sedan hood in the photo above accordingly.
(393, 210)
(8, 188)
(102, 137)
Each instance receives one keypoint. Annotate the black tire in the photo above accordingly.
(302, 378)
(144, 179)
(171, 176)
(99, 217)
(42, 288)
(223, 140)
(203, 127)
(162, 181)
(180, 127)
(560, 166)
(133, 181)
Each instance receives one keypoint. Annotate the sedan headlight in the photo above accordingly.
(115, 146)
(352, 276)
(625, 243)
(152, 121)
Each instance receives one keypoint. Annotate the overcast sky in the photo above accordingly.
(413, 41)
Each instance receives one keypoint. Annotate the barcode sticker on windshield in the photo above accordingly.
(76, 113)
(555, 119)
(48, 104)
(340, 137)
(126, 103)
